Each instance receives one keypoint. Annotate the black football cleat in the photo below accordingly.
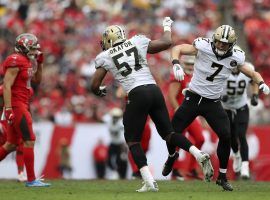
(224, 184)
(167, 168)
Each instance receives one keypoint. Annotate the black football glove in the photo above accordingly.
(254, 99)
(102, 91)
(224, 98)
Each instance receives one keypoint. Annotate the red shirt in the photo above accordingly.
(21, 90)
(184, 84)
(100, 153)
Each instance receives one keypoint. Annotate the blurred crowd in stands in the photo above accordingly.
(69, 32)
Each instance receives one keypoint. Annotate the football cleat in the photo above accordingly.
(207, 168)
(224, 184)
(37, 183)
(21, 177)
(245, 171)
(167, 168)
(148, 187)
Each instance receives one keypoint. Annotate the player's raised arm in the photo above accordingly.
(165, 41)
(177, 51)
(182, 49)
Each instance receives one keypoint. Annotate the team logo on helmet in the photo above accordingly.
(112, 35)
(25, 43)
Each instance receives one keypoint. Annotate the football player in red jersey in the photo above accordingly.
(3, 139)
(195, 130)
(18, 74)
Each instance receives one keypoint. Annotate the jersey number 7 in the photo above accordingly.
(219, 68)
(128, 69)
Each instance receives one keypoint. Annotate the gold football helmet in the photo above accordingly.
(112, 35)
(224, 34)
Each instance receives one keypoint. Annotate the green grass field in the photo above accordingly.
(118, 190)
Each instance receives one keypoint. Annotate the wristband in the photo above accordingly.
(262, 82)
(175, 61)
(167, 28)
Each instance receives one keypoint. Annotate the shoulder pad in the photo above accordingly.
(201, 42)
(14, 60)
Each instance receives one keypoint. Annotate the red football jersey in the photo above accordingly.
(184, 84)
(180, 96)
(21, 90)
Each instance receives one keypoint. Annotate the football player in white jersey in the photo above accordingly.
(215, 59)
(234, 101)
(126, 60)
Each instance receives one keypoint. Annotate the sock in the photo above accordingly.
(19, 159)
(132, 163)
(3, 153)
(195, 152)
(222, 173)
(245, 164)
(171, 148)
(179, 140)
(28, 155)
(237, 154)
(146, 174)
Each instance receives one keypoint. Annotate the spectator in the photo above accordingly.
(100, 155)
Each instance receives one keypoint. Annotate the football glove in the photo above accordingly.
(40, 57)
(184, 91)
(264, 88)
(254, 99)
(224, 98)
(102, 91)
(9, 115)
(167, 24)
(178, 72)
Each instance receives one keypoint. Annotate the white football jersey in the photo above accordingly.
(211, 71)
(116, 129)
(127, 62)
(236, 89)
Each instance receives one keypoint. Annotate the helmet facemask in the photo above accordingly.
(112, 35)
(224, 34)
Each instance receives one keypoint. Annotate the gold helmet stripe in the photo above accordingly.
(121, 31)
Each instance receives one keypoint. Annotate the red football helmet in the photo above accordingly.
(27, 44)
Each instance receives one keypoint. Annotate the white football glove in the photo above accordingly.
(167, 24)
(178, 72)
(264, 88)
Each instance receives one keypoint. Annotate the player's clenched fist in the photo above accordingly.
(9, 115)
